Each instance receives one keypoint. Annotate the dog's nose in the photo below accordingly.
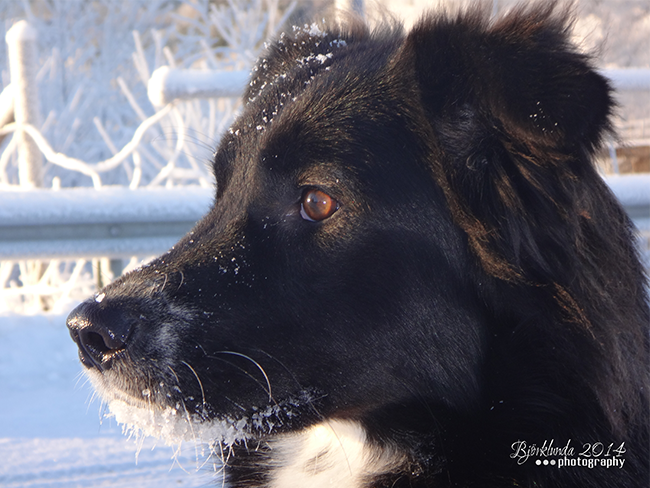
(100, 332)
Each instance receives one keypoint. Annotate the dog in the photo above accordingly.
(412, 274)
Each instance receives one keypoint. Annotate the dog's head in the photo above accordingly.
(386, 206)
(328, 244)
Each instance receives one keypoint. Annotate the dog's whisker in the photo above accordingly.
(182, 280)
(312, 404)
(242, 408)
(103, 411)
(200, 346)
(259, 366)
(91, 399)
(246, 373)
(162, 288)
(177, 452)
(289, 372)
(81, 377)
(188, 417)
(199, 381)
(222, 469)
(175, 376)
(190, 423)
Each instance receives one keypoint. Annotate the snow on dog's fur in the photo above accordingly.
(412, 274)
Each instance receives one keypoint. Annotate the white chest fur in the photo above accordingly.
(334, 453)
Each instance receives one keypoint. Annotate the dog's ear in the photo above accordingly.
(516, 114)
(520, 69)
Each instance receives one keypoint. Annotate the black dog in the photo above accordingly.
(412, 275)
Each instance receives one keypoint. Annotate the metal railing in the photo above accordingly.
(118, 223)
(112, 222)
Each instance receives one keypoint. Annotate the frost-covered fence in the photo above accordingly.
(635, 82)
(633, 190)
(117, 222)
(23, 64)
(87, 226)
(167, 85)
(93, 105)
(635, 134)
(629, 79)
(113, 222)
(150, 126)
(99, 129)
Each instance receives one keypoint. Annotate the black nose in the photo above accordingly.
(101, 331)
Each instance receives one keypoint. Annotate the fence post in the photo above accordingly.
(23, 66)
(6, 108)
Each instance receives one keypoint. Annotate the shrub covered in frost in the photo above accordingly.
(95, 61)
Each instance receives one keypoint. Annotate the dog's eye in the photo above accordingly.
(316, 205)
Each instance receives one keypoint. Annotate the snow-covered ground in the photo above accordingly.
(54, 434)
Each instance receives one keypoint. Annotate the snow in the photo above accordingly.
(174, 427)
(100, 462)
(314, 30)
(53, 432)
(168, 84)
(21, 31)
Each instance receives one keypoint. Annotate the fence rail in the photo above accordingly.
(166, 85)
(633, 191)
(116, 222)
(628, 79)
(112, 222)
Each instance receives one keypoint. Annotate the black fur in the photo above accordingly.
(478, 284)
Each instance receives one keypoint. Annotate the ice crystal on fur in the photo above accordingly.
(174, 426)
(312, 30)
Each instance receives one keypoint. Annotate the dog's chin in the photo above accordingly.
(174, 426)
(171, 423)
(175, 421)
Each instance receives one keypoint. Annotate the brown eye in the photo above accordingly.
(316, 205)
